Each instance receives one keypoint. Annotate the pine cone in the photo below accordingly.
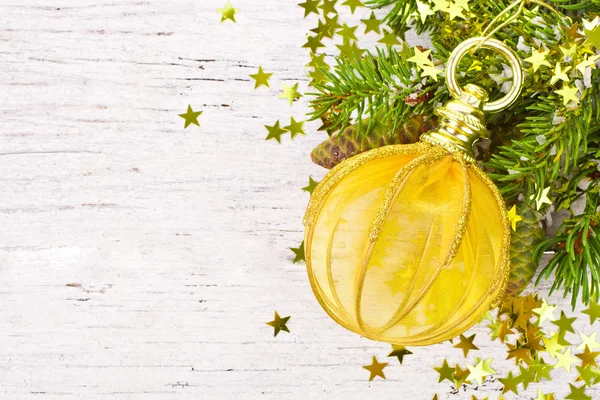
(524, 240)
(347, 144)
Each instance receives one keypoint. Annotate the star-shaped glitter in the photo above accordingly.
(445, 371)
(299, 252)
(228, 12)
(440, 5)
(569, 52)
(400, 351)
(527, 376)
(565, 360)
(542, 199)
(545, 312)
(587, 62)
(324, 29)
(454, 11)
(290, 93)
(275, 132)
(313, 43)
(559, 74)
(349, 48)
(577, 393)
(424, 10)
(568, 94)
(295, 127)
(261, 78)
(460, 376)
(586, 374)
(353, 4)
(376, 369)
(389, 38)
(191, 117)
(593, 311)
(538, 58)
(542, 396)
(478, 372)
(519, 352)
(589, 341)
(432, 72)
(464, 4)
(421, 58)
(279, 324)
(372, 24)
(553, 347)
(588, 357)
(312, 184)
(592, 31)
(564, 324)
(510, 383)
(310, 6)
(466, 344)
(513, 217)
(328, 7)
(348, 32)
(540, 369)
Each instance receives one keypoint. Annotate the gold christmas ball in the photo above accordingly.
(407, 244)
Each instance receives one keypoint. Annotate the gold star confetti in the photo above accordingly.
(538, 58)
(577, 393)
(424, 10)
(275, 132)
(312, 184)
(389, 38)
(542, 199)
(279, 324)
(586, 374)
(589, 341)
(588, 357)
(540, 369)
(587, 62)
(353, 4)
(545, 312)
(592, 31)
(454, 11)
(565, 360)
(400, 352)
(552, 345)
(513, 217)
(290, 93)
(349, 48)
(445, 371)
(564, 324)
(325, 29)
(313, 43)
(568, 94)
(310, 6)
(510, 383)
(348, 32)
(261, 78)
(421, 58)
(527, 376)
(372, 24)
(328, 7)
(466, 344)
(295, 127)
(519, 352)
(559, 74)
(299, 252)
(430, 71)
(376, 369)
(440, 5)
(569, 52)
(191, 117)
(478, 372)
(542, 396)
(228, 12)
(460, 376)
(593, 311)
(464, 4)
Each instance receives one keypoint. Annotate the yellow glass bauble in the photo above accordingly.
(409, 244)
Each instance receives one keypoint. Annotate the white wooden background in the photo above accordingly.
(139, 260)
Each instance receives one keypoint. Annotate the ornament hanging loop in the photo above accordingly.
(492, 44)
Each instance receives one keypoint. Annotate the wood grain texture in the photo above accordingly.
(139, 260)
